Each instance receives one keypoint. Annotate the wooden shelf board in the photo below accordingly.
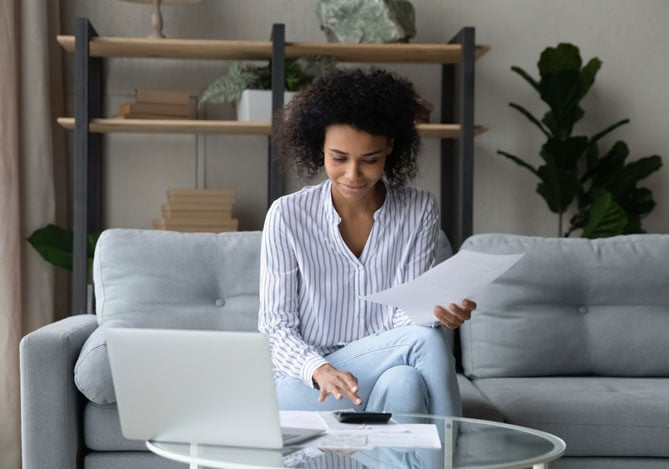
(260, 50)
(185, 126)
(190, 126)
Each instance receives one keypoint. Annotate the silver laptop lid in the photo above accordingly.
(209, 387)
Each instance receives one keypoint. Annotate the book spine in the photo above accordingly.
(154, 95)
(200, 192)
(202, 205)
(218, 214)
(230, 222)
(175, 110)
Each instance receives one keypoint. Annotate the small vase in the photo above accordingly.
(256, 105)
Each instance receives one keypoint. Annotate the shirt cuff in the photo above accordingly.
(309, 367)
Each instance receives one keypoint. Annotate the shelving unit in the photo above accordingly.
(456, 130)
(189, 126)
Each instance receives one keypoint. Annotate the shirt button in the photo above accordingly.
(220, 302)
(583, 310)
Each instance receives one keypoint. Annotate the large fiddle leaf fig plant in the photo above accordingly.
(603, 187)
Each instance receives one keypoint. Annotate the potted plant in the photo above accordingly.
(247, 86)
(55, 245)
(603, 186)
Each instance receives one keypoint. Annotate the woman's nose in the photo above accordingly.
(353, 171)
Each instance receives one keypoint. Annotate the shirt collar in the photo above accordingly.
(334, 218)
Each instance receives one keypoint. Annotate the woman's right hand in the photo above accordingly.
(338, 383)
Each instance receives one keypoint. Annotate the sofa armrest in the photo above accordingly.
(51, 405)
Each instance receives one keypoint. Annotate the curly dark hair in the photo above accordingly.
(374, 101)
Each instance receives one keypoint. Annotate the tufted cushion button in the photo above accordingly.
(220, 302)
(583, 309)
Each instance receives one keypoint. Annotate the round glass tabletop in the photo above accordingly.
(462, 443)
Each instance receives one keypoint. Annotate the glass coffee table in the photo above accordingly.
(465, 443)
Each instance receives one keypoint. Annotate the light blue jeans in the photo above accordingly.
(409, 369)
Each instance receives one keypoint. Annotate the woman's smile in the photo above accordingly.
(354, 162)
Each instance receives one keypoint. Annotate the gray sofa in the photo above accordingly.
(573, 340)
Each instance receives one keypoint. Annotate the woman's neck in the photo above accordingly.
(347, 208)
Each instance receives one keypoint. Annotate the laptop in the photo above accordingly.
(206, 387)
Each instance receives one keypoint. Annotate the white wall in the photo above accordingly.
(626, 35)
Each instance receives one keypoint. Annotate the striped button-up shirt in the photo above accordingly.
(311, 282)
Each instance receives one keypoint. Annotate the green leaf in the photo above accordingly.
(638, 202)
(519, 161)
(228, 88)
(606, 217)
(531, 118)
(633, 226)
(240, 76)
(562, 94)
(625, 180)
(54, 244)
(591, 157)
(588, 75)
(564, 154)
(564, 57)
(92, 240)
(608, 166)
(526, 76)
(607, 130)
(558, 187)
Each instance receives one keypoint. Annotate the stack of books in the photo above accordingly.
(198, 210)
(159, 104)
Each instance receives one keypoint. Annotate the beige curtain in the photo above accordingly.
(33, 170)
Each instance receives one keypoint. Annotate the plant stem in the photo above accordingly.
(560, 224)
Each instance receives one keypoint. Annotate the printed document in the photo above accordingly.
(463, 275)
(360, 436)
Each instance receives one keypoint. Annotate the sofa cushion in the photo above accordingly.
(474, 404)
(165, 279)
(92, 373)
(572, 307)
(595, 416)
(102, 430)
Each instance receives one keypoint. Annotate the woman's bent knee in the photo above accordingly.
(399, 389)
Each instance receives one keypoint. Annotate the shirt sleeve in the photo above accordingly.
(423, 254)
(279, 317)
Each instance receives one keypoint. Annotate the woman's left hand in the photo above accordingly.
(455, 315)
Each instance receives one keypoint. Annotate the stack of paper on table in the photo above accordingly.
(361, 436)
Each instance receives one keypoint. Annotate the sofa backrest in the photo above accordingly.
(165, 279)
(572, 306)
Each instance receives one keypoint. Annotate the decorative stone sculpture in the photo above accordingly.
(367, 20)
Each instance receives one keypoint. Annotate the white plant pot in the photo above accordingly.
(256, 105)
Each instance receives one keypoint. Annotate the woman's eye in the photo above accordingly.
(374, 161)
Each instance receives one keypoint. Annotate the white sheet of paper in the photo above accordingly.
(301, 419)
(415, 435)
(461, 276)
(360, 436)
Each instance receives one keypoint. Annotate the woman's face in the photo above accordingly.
(354, 161)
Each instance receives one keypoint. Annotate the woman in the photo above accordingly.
(360, 231)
